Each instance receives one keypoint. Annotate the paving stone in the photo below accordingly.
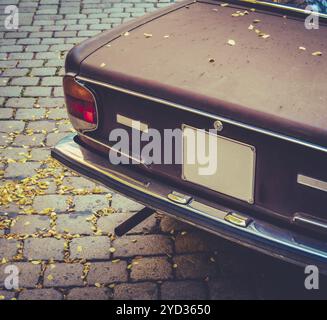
(54, 138)
(37, 92)
(144, 245)
(13, 153)
(40, 294)
(31, 141)
(57, 202)
(123, 204)
(231, 289)
(8, 248)
(107, 272)
(30, 114)
(79, 183)
(11, 126)
(20, 102)
(43, 71)
(30, 224)
(139, 291)
(90, 248)
(74, 224)
(21, 170)
(7, 295)
(151, 269)
(10, 91)
(16, 72)
(195, 266)
(25, 81)
(38, 126)
(88, 294)
(39, 154)
(30, 64)
(109, 223)
(6, 113)
(191, 242)
(52, 81)
(57, 114)
(183, 290)
(44, 249)
(64, 275)
(169, 224)
(5, 140)
(51, 102)
(90, 203)
(28, 274)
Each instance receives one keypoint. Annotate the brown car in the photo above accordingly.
(247, 77)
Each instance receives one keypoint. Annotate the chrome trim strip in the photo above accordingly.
(131, 123)
(139, 161)
(312, 182)
(310, 221)
(206, 114)
(73, 152)
(283, 7)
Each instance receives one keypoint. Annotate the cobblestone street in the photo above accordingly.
(56, 226)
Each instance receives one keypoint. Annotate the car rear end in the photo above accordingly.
(270, 190)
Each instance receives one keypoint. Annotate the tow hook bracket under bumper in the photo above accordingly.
(133, 221)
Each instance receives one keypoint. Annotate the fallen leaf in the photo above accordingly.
(2, 297)
(317, 53)
(211, 60)
(102, 65)
(116, 261)
(79, 249)
(36, 262)
(302, 48)
(256, 21)
(175, 266)
(148, 35)
(50, 277)
(224, 4)
(231, 42)
(251, 27)
(126, 34)
(112, 250)
(98, 285)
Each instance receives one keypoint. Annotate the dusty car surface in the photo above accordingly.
(252, 72)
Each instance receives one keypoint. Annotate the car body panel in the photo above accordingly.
(267, 94)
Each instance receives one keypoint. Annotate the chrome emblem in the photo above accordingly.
(238, 220)
(218, 125)
(179, 198)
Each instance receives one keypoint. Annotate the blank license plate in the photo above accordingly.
(235, 165)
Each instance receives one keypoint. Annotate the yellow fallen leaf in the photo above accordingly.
(50, 277)
(116, 261)
(317, 53)
(251, 27)
(231, 42)
(175, 266)
(148, 35)
(256, 21)
(102, 65)
(36, 262)
(302, 48)
(98, 285)
(79, 249)
(2, 297)
(224, 4)
(111, 286)
(112, 250)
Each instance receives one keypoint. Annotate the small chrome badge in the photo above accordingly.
(218, 125)
(238, 220)
(179, 197)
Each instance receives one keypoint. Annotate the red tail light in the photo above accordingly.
(81, 105)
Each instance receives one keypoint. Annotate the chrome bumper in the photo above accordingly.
(258, 235)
